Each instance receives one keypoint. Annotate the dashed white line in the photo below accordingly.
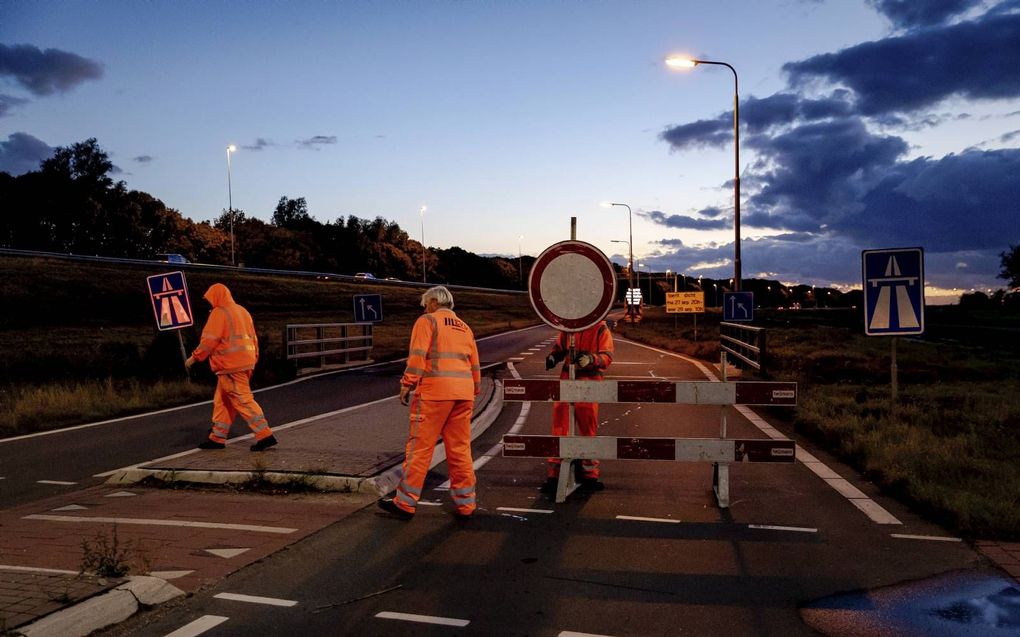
(516, 510)
(199, 626)
(526, 354)
(423, 619)
(773, 527)
(638, 518)
(933, 538)
(255, 599)
(63, 483)
(30, 569)
(570, 633)
(151, 522)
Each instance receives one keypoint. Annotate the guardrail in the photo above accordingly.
(745, 343)
(330, 343)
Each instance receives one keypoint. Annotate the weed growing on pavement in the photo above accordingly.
(106, 556)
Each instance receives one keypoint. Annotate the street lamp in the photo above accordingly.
(230, 202)
(630, 227)
(688, 63)
(422, 213)
(520, 259)
(630, 268)
(649, 277)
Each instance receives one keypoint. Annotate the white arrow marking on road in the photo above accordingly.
(71, 507)
(226, 553)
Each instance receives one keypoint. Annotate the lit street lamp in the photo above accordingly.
(230, 202)
(682, 63)
(422, 213)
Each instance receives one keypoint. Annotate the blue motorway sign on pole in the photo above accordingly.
(367, 308)
(738, 306)
(169, 294)
(893, 291)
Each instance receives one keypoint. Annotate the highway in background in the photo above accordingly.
(652, 554)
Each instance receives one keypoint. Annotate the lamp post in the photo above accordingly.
(520, 259)
(422, 213)
(649, 277)
(688, 63)
(630, 269)
(230, 202)
(630, 230)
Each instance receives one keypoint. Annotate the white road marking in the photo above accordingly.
(933, 538)
(527, 354)
(199, 626)
(226, 553)
(121, 494)
(516, 510)
(30, 569)
(63, 483)
(254, 599)
(638, 518)
(570, 633)
(534, 349)
(149, 522)
(169, 575)
(856, 497)
(423, 619)
(426, 503)
(71, 507)
(772, 527)
(516, 359)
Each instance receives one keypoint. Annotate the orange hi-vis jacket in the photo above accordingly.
(442, 360)
(597, 340)
(228, 339)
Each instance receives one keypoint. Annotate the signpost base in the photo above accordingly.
(567, 482)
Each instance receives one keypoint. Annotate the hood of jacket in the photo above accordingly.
(218, 295)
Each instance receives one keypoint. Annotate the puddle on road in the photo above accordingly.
(958, 604)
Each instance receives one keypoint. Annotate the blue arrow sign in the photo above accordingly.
(368, 308)
(893, 291)
(738, 306)
(169, 294)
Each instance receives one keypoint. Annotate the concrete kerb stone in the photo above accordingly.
(104, 610)
(379, 484)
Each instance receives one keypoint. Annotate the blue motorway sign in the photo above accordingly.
(169, 294)
(368, 308)
(738, 306)
(893, 291)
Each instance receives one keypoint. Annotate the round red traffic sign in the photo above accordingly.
(572, 286)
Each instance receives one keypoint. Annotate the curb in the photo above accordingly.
(103, 610)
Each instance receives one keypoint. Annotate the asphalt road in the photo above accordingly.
(650, 555)
(73, 457)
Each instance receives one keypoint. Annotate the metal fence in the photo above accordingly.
(745, 343)
(329, 343)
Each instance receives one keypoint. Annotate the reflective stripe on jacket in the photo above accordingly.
(228, 339)
(442, 360)
(597, 340)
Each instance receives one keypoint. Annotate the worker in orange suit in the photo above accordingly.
(230, 344)
(594, 351)
(444, 377)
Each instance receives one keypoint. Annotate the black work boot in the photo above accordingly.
(264, 444)
(391, 507)
(210, 444)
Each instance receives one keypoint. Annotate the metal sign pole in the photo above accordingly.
(184, 356)
(893, 372)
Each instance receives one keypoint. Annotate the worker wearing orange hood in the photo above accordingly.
(230, 344)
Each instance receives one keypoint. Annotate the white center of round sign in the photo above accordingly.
(571, 286)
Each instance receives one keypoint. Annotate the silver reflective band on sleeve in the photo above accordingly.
(441, 374)
(418, 352)
(417, 371)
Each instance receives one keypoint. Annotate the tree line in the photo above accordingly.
(73, 205)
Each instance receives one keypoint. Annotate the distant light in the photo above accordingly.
(231, 148)
(681, 63)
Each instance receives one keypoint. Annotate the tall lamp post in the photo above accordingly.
(630, 229)
(422, 214)
(630, 269)
(520, 260)
(230, 202)
(688, 63)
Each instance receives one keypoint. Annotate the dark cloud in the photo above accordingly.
(1010, 136)
(46, 72)
(8, 102)
(905, 14)
(317, 140)
(22, 153)
(976, 59)
(684, 221)
(260, 144)
(143, 159)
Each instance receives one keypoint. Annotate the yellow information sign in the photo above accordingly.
(685, 302)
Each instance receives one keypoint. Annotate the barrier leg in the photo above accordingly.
(567, 482)
(721, 484)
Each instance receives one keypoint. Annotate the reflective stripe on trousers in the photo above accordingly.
(428, 420)
(233, 398)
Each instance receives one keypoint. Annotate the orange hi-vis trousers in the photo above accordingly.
(587, 417)
(429, 419)
(233, 398)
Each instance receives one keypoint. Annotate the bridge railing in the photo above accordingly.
(745, 343)
(328, 343)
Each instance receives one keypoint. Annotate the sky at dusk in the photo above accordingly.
(864, 123)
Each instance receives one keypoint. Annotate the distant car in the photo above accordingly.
(391, 278)
(172, 258)
(364, 275)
